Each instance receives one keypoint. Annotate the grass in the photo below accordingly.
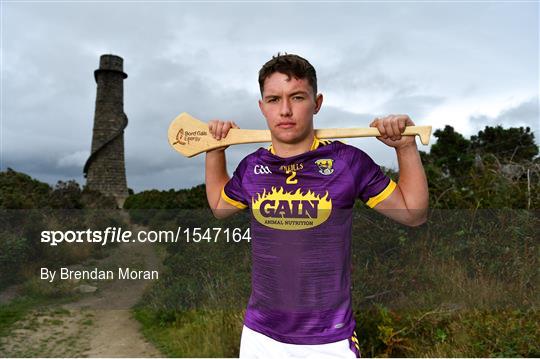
(202, 333)
(15, 311)
(449, 333)
(87, 322)
(35, 297)
(26, 316)
(381, 332)
(464, 285)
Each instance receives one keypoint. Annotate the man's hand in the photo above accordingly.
(219, 129)
(408, 203)
(216, 171)
(391, 127)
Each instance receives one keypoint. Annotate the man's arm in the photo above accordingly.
(409, 201)
(216, 172)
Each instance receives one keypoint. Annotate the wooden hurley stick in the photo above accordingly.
(190, 136)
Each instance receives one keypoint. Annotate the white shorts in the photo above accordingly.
(256, 345)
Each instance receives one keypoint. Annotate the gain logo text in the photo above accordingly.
(291, 210)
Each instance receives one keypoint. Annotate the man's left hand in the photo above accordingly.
(391, 127)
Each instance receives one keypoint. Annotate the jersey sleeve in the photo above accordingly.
(372, 185)
(233, 191)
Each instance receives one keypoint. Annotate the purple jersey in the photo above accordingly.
(301, 224)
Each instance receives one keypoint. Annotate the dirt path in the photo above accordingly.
(100, 324)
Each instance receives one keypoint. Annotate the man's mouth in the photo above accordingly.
(286, 124)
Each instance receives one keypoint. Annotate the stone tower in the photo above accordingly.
(104, 169)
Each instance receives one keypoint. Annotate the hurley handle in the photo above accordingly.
(190, 136)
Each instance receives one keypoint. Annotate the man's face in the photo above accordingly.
(288, 104)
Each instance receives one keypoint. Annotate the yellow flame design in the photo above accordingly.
(298, 216)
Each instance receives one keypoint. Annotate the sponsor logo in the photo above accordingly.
(185, 137)
(179, 137)
(291, 210)
(261, 170)
(325, 166)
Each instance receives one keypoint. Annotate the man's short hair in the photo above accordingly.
(290, 65)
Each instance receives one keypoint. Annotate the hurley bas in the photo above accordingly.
(97, 274)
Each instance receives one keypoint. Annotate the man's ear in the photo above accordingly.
(318, 103)
(261, 105)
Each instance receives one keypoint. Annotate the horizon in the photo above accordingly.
(82, 185)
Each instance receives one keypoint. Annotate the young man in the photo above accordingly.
(301, 191)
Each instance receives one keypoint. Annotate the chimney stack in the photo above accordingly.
(105, 169)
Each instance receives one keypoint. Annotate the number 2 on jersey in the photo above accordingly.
(291, 179)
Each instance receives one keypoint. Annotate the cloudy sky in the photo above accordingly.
(467, 64)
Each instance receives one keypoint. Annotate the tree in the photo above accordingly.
(507, 144)
(452, 152)
(18, 190)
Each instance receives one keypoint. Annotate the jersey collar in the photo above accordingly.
(314, 145)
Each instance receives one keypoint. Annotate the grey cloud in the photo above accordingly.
(416, 106)
(526, 114)
(204, 58)
(44, 167)
(379, 152)
(331, 116)
(359, 61)
(73, 159)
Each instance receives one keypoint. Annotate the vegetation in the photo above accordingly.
(20, 191)
(464, 284)
(498, 168)
(153, 199)
(28, 207)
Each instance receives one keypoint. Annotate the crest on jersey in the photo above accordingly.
(325, 166)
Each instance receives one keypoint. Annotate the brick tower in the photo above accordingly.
(104, 169)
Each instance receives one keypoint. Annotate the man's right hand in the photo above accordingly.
(219, 129)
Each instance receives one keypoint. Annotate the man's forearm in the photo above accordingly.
(215, 176)
(412, 178)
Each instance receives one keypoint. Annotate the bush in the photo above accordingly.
(28, 206)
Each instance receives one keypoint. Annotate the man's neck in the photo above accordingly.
(292, 149)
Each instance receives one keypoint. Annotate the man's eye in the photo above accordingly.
(298, 98)
(272, 100)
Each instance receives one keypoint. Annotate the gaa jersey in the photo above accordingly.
(301, 227)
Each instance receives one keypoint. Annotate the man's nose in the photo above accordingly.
(285, 109)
